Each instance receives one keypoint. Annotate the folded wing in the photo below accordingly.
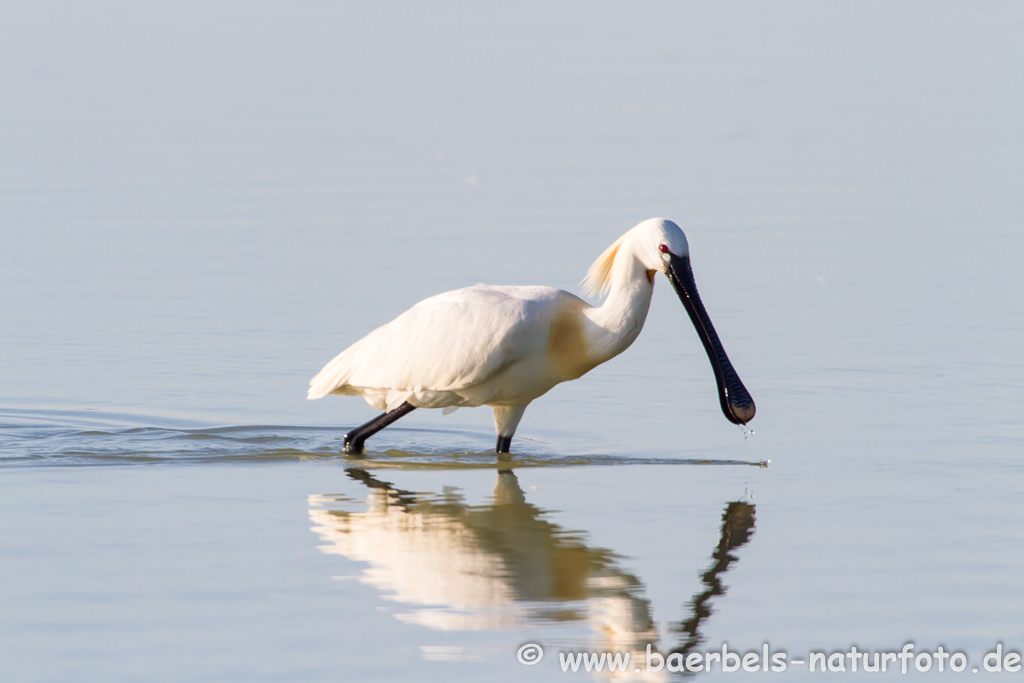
(440, 346)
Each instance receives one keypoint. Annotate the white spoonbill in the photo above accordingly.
(505, 346)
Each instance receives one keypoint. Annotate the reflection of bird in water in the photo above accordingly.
(737, 527)
(466, 567)
(488, 566)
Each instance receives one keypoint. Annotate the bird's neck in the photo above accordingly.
(618, 321)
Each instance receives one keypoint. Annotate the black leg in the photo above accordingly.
(354, 440)
(504, 444)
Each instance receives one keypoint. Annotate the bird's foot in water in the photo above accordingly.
(504, 444)
(353, 442)
(352, 445)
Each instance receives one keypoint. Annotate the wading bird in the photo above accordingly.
(505, 346)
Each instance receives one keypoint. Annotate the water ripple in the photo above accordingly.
(69, 438)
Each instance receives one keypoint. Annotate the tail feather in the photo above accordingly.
(333, 375)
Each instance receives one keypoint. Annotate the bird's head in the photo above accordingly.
(656, 241)
(661, 246)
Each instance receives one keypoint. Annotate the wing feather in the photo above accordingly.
(448, 342)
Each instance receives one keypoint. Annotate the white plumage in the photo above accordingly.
(444, 350)
(505, 346)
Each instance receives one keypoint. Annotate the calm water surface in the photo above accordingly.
(200, 206)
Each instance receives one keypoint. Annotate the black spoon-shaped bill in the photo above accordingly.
(736, 402)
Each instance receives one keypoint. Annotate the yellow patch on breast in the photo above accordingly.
(567, 345)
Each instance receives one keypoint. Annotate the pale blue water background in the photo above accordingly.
(201, 204)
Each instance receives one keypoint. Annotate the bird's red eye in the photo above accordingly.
(663, 249)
